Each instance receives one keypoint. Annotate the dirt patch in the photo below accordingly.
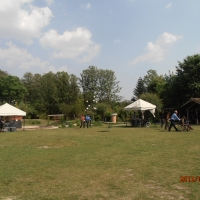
(9, 198)
(46, 147)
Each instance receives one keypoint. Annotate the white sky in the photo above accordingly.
(129, 37)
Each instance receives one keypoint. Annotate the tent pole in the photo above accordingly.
(125, 118)
(24, 124)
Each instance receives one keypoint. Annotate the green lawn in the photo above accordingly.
(126, 163)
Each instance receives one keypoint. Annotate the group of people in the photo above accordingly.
(169, 121)
(136, 121)
(86, 121)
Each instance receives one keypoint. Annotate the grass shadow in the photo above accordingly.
(104, 131)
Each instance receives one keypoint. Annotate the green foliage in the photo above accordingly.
(188, 76)
(154, 83)
(184, 84)
(70, 124)
(11, 88)
(103, 110)
(51, 93)
(140, 88)
(97, 123)
(62, 119)
(157, 86)
(34, 122)
(79, 106)
(30, 111)
(3, 73)
(59, 93)
(118, 108)
(100, 83)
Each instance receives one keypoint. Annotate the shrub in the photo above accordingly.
(97, 123)
(33, 122)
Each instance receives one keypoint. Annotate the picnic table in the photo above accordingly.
(8, 128)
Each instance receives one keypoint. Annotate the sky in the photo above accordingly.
(128, 37)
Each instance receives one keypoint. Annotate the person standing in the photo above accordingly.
(133, 119)
(162, 118)
(174, 118)
(167, 120)
(82, 121)
(88, 120)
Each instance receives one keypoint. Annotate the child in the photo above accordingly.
(167, 121)
(186, 124)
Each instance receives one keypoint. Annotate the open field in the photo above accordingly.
(123, 164)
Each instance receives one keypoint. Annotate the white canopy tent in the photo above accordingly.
(142, 106)
(8, 110)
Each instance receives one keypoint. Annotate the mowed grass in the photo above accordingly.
(125, 163)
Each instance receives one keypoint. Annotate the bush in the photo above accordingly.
(77, 121)
(34, 122)
(70, 124)
(97, 123)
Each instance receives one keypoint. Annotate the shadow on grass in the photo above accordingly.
(104, 131)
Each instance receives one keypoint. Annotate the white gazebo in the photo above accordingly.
(9, 110)
(142, 106)
(13, 114)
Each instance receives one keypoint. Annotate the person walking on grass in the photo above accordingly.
(174, 118)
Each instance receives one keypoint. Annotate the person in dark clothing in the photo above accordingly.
(2, 124)
(133, 119)
(162, 118)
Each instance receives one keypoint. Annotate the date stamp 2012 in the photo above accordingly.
(189, 179)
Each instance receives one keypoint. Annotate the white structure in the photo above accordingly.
(142, 106)
(8, 110)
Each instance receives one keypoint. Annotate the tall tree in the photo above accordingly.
(74, 89)
(151, 75)
(140, 88)
(62, 84)
(89, 82)
(11, 88)
(99, 83)
(157, 85)
(49, 91)
(3, 73)
(32, 84)
(188, 76)
(108, 87)
(33, 98)
(184, 84)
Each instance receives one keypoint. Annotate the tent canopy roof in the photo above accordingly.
(8, 110)
(140, 105)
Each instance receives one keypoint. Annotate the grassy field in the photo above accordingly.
(121, 164)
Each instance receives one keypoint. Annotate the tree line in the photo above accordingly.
(174, 89)
(96, 91)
